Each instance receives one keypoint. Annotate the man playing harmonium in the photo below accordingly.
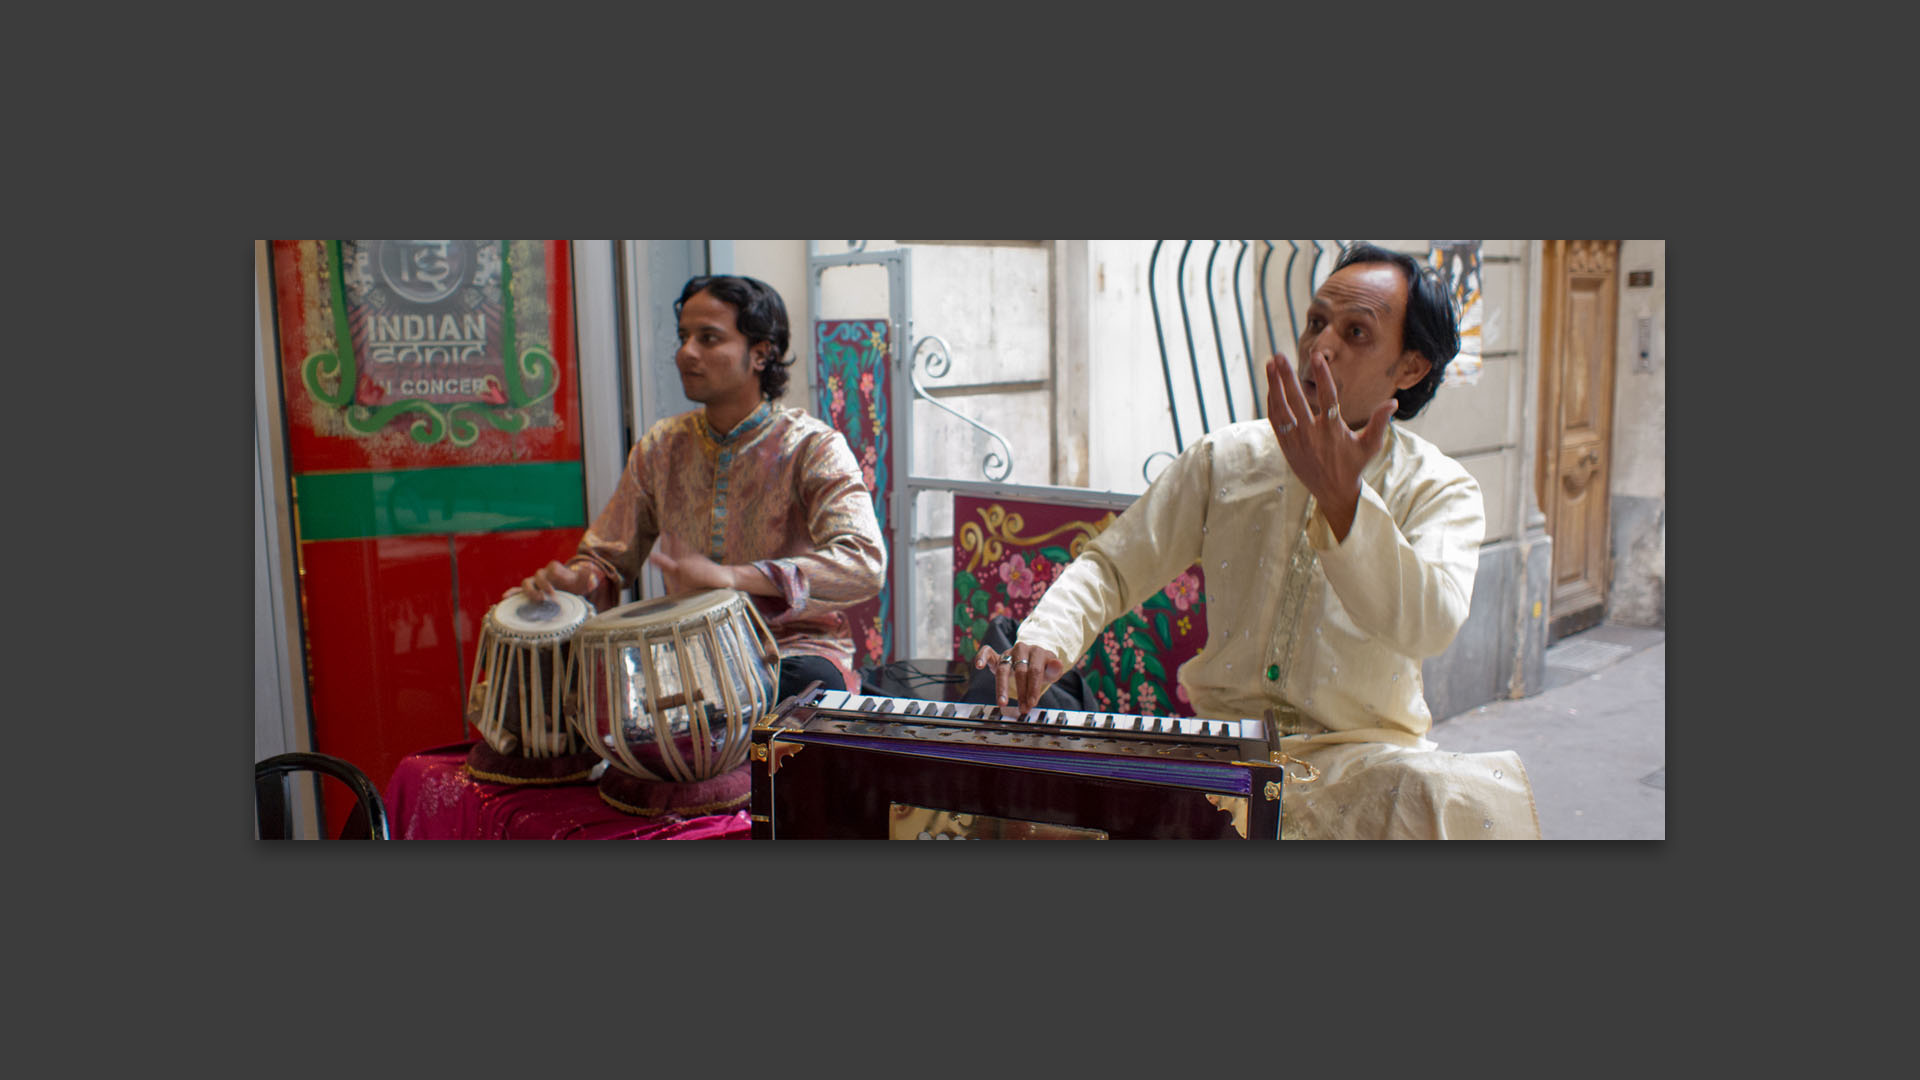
(740, 494)
(1339, 551)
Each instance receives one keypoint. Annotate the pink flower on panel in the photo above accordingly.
(866, 473)
(999, 609)
(1018, 577)
(1149, 701)
(873, 642)
(866, 385)
(870, 455)
(1184, 590)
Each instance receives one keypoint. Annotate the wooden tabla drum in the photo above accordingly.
(667, 691)
(516, 696)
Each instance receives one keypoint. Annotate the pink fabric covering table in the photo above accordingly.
(432, 798)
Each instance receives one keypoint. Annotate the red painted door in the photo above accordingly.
(432, 424)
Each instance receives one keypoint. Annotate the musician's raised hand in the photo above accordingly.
(554, 577)
(1322, 448)
(1022, 675)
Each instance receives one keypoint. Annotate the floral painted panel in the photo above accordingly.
(852, 366)
(1008, 552)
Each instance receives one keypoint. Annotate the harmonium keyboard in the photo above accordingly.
(828, 764)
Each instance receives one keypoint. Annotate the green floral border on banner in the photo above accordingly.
(530, 376)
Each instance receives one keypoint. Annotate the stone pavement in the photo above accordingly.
(1594, 741)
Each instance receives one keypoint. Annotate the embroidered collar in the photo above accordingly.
(753, 422)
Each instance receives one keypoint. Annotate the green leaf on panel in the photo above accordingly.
(1101, 683)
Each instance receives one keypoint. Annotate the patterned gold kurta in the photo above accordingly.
(1330, 635)
(781, 492)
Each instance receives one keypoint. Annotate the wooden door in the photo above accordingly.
(1579, 309)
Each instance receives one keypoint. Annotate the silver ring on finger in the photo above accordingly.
(1022, 663)
(1006, 661)
(1285, 429)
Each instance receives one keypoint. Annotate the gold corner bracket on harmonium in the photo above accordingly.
(767, 730)
(773, 751)
(1235, 807)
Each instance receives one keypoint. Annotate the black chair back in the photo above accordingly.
(367, 822)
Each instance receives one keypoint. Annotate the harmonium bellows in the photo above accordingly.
(828, 764)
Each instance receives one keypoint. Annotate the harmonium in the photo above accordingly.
(829, 764)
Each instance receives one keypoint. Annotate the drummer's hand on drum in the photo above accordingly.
(554, 577)
(685, 570)
(1022, 675)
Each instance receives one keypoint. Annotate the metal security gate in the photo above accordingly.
(1252, 258)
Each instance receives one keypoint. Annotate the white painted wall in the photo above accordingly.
(783, 265)
(1638, 470)
(1127, 417)
(1639, 464)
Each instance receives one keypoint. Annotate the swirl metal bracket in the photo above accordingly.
(1147, 465)
(939, 361)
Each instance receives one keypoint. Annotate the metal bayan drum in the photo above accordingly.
(517, 692)
(667, 691)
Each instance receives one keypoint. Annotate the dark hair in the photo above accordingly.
(762, 317)
(1431, 327)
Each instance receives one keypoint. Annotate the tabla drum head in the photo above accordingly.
(527, 618)
(663, 610)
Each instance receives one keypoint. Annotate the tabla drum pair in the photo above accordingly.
(664, 691)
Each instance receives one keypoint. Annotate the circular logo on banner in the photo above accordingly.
(424, 271)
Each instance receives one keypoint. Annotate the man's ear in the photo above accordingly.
(1414, 366)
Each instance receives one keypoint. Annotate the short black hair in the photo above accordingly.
(761, 316)
(1431, 327)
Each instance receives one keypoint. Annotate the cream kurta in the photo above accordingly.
(1330, 635)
